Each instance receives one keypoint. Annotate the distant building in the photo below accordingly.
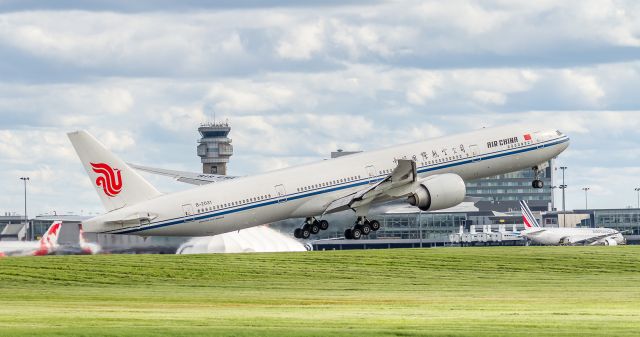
(503, 192)
(12, 227)
(214, 148)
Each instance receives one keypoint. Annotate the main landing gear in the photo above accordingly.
(537, 183)
(362, 226)
(311, 226)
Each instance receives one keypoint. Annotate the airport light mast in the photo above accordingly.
(563, 187)
(26, 219)
(553, 199)
(637, 189)
(586, 198)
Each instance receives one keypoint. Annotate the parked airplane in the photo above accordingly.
(567, 236)
(46, 245)
(86, 246)
(428, 174)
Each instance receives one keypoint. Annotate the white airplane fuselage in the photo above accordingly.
(568, 236)
(307, 190)
(20, 247)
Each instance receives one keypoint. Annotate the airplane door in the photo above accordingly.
(187, 210)
(475, 154)
(371, 171)
(281, 193)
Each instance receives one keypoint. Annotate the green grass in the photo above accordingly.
(534, 291)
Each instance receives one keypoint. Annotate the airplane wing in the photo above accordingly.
(396, 184)
(595, 238)
(193, 178)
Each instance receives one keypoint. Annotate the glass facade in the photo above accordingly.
(620, 219)
(504, 191)
(412, 225)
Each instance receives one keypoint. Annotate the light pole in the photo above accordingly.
(420, 226)
(637, 189)
(586, 198)
(563, 187)
(26, 219)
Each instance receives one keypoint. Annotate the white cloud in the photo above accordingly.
(489, 97)
(583, 85)
(297, 83)
(423, 88)
(244, 97)
(302, 42)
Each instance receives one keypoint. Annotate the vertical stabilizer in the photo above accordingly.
(529, 220)
(115, 182)
(86, 246)
(49, 240)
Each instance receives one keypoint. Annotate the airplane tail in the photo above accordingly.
(529, 220)
(49, 241)
(117, 184)
(85, 246)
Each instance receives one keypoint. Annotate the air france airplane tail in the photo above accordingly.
(117, 184)
(529, 220)
(49, 241)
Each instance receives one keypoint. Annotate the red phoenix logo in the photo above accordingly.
(109, 179)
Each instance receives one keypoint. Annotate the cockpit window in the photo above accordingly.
(558, 133)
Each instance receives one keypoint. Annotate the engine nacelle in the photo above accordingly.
(610, 242)
(438, 192)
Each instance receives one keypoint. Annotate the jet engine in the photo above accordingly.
(610, 242)
(438, 192)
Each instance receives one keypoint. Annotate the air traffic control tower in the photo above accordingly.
(214, 148)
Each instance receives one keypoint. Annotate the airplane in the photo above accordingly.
(47, 244)
(87, 247)
(83, 247)
(428, 174)
(567, 236)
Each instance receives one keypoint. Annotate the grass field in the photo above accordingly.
(535, 291)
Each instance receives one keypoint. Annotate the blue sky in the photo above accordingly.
(298, 81)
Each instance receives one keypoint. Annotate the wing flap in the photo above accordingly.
(393, 185)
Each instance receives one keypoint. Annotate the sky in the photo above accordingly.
(297, 80)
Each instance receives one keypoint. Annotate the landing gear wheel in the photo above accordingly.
(305, 233)
(537, 184)
(324, 224)
(347, 234)
(314, 228)
(297, 233)
(356, 233)
(365, 228)
(375, 225)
